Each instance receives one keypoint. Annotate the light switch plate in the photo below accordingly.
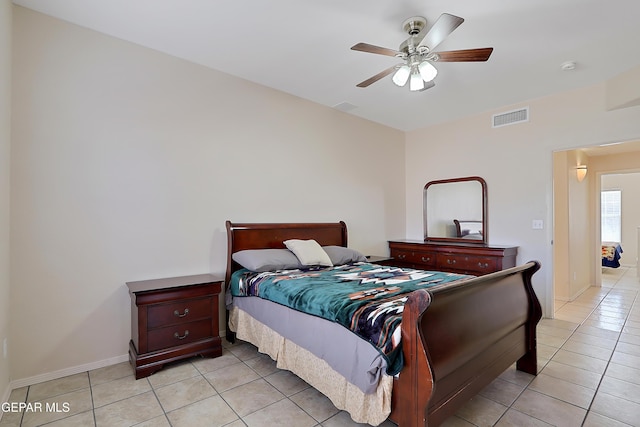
(537, 224)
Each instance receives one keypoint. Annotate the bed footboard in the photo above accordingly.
(458, 338)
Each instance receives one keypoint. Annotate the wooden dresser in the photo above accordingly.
(462, 258)
(172, 319)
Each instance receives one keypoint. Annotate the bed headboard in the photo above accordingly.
(270, 236)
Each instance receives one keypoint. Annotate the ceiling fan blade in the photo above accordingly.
(377, 77)
(466, 55)
(427, 85)
(365, 47)
(444, 26)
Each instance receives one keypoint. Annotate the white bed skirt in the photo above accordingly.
(373, 408)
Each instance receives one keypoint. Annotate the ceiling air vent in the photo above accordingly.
(345, 106)
(510, 117)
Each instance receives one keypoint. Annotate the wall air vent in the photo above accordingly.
(510, 117)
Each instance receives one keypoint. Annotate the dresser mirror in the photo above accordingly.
(455, 210)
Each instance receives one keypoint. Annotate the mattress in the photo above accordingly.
(365, 299)
(327, 340)
(372, 408)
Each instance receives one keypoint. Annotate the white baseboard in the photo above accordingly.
(579, 292)
(24, 382)
(66, 372)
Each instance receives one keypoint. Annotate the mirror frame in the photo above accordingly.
(485, 234)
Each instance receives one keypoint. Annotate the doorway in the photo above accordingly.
(577, 250)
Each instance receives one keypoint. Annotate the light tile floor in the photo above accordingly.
(589, 359)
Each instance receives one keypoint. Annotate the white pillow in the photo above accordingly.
(309, 252)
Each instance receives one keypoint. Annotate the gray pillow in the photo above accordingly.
(340, 255)
(266, 259)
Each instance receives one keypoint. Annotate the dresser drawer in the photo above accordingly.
(423, 259)
(181, 311)
(458, 257)
(175, 335)
(467, 263)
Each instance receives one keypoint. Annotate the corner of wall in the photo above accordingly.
(623, 91)
(6, 18)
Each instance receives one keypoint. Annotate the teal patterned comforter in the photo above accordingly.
(368, 299)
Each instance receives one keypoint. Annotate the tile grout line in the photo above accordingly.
(573, 332)
(93, 406)
(635, 299)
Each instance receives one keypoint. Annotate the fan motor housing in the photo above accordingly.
(414, 25)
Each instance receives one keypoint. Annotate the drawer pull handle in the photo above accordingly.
(181, 337)
(426, 259)
(451, 261)
(483, 264)
(402, 256)
(177, 313)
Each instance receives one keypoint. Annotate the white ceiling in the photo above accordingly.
(302, 47)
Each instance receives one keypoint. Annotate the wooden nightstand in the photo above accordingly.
(173, 319)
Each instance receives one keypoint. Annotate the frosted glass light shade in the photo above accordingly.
(416, 82)
(427, 71)
(401, 76)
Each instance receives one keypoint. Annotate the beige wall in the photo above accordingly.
(517, 163)
(574, 240)
(623, 90)
(126, 163)
(5, 138)
(561, 242)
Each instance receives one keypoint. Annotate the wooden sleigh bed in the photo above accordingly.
(456, 339)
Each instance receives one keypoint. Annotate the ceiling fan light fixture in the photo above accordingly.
(427, 71)
(416, 83)
(418, 53)
(401, 76)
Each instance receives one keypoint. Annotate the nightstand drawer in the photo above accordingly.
(178, 312)
(175, 335)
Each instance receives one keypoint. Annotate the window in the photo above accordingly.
(610, 215)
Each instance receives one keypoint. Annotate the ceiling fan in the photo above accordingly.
(417, 53)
